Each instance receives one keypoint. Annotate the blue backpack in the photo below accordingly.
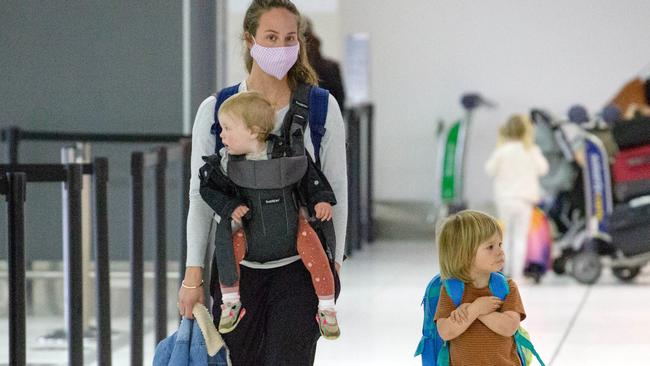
(314, 109)
(435, 351)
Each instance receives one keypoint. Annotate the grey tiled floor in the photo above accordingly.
(380, 316)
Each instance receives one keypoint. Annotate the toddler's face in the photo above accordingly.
(236, 137)
(489, 256)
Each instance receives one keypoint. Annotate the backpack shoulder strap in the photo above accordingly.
(455, 289)
(308, 104)
(430, 343)
(318, 103)
(223, 94)
(499, 285)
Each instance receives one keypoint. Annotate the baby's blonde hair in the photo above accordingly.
(253, 109)
(458, 241)
(517, 128)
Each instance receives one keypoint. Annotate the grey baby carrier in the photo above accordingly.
(273, 189)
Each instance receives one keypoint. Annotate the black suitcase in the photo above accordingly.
(624, 191)
(629, 226)
(632, 133)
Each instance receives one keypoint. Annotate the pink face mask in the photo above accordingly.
(275, 61)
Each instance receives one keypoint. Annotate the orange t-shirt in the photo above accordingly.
(479, 345)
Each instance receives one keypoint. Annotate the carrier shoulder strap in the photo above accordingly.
(314, 103)
(223, 94)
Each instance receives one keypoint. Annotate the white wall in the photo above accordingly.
(519, 53)
(426, 53)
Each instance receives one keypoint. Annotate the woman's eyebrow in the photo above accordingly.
(276, 32)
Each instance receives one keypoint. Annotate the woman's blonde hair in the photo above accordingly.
(517, 128)
(301, 72)
(253, 109)
(458, 241)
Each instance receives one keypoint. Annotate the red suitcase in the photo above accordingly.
(631, 172)
(632, 164)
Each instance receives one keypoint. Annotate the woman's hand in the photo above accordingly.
(187, 297)
(238, 213)
(485, 305)
(323, 211)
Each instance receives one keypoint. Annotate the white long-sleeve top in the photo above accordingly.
(516, 171)
(200, 223)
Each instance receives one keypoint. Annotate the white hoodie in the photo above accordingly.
(516, 171)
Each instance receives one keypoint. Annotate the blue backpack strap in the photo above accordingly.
(318, 102)
(223, 94)
(455, 289)
(524, 342)
(430, 344)
(499, 285)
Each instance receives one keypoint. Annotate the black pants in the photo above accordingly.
(279, 327)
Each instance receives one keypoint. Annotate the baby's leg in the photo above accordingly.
(231, 293)
(313, 256)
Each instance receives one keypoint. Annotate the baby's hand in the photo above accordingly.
(486, 304)
(461, 313)
(323, 211)
(238, 213)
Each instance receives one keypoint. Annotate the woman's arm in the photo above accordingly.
(334, 167)
(199, 218)
(504, 324)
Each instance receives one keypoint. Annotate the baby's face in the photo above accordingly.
(236, 137)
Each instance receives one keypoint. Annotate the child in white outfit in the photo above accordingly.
(516, 165)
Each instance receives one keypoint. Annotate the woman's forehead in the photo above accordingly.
(278, 20)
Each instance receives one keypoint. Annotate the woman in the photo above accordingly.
(279, 326)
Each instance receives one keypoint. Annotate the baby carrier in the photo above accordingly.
(435, 351)
(273, 189)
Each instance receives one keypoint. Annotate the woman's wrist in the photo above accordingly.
(193, 276)
(191, 286)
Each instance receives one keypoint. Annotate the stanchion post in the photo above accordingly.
(12, 140)
(137, 237)
(370, 225)
(16, 184)
(102, 260)
(72, 258)
(354, 217)
(160, 290)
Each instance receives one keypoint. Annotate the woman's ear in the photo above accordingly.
(248, 39)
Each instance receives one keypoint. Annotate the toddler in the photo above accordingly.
(480, 330)
(247, 120)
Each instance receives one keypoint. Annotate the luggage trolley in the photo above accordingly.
(450, 160)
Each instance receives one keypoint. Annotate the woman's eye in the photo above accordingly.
(271, 37)
(291, 39)
(491, 247)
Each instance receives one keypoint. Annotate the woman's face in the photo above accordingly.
(278, 27)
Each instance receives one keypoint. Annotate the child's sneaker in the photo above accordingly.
(231, 314)
(328, 325)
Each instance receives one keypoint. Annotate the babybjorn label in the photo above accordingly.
(272, 201)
